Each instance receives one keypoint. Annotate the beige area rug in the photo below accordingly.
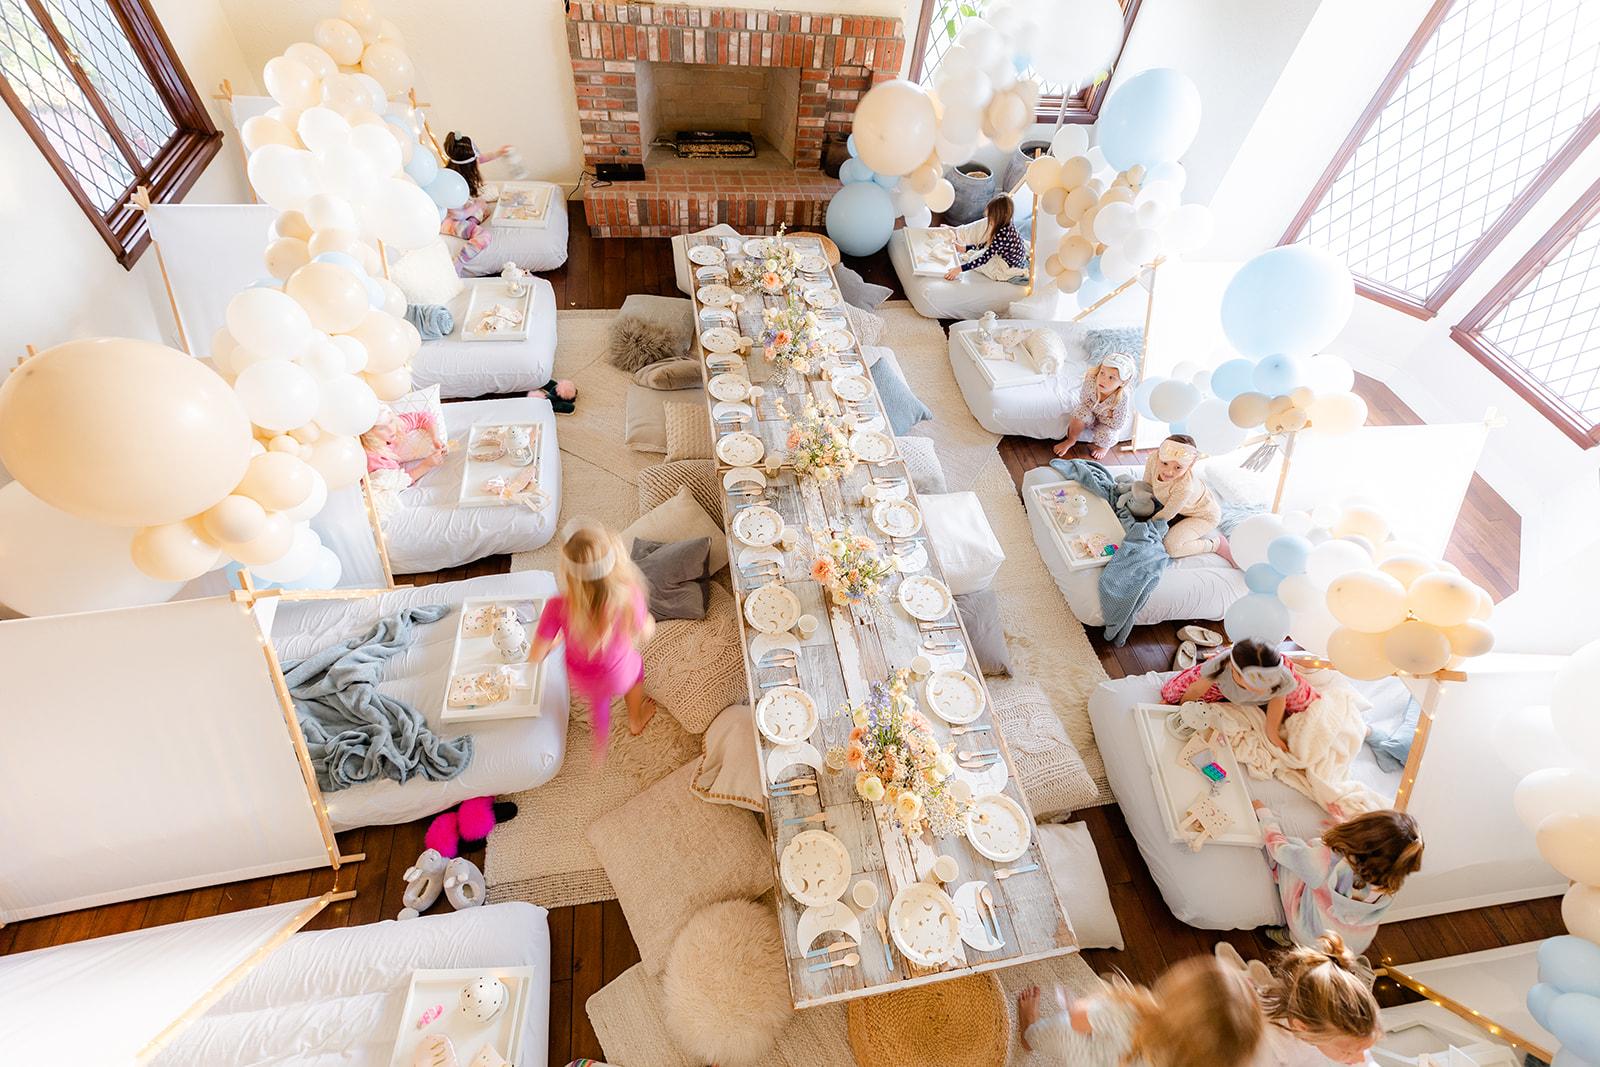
(630, 1021)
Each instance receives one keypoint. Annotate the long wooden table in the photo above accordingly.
(837, 665)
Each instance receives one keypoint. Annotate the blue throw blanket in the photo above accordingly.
(355, 733)
(1127, 581)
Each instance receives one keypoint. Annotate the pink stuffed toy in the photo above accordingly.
(465, 827)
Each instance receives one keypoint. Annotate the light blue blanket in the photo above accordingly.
(1127, 581)
(356, 734)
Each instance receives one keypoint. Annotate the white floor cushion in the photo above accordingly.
(1074, 866)
(968, 297)
(463, 368)
(529, 247)
(680, 253)
(1040, 410)
(962, 541)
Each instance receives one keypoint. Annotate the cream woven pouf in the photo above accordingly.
(725, 986)
(959, 1023)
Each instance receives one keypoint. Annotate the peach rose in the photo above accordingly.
(855, 754)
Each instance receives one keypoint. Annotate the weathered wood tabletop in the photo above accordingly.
(837, 665)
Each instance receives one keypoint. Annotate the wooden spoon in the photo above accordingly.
(849, 961)
(957, 731)
(803, 791)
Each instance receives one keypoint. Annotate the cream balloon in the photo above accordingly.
(1299, 594)
(270, 323)
(307, 434)
(234, 518)
(1366, 600)
(380, 149)
(1580, 912)
(316, 60)
(283, 443)
(174, 551)
(1406, 569)
(325, 212)
(334, 239)
(276, 538)
(1069, 280)
(1078, 201)
(1570, 842)
(1075, 173)
(1361, 520)
(355, 353)
(312, 504)
(1442, 599)
(1113, 222)
(282, 176)
(348, 407)
(1338, 413)
(390, 385)
(922, 180)
(943, 195)
(277, 394)
(394, 298)
(1044, 174)
(390, 65)
(296, 562)
(362, 15)
(895, 126)
(1075, 251)
(340, 461)
(335, 299)
(385, 340)
(1359, 655)
(1417, 648)
(259, 130)
(1330, 559)
(122, 432)
(285, 256)
(291, 224)
(222, 347)
(1554, 790)
(290, 82)
(276, 481)
(1248, 409)
(340, 40)
(1313, 629)
(322, 128)
(324, 360)
(401, 215)
(1053, 200)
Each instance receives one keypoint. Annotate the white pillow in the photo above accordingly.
(679, 519)
(418, 444)
(427, 275)
(1074, 866)
(962, 540)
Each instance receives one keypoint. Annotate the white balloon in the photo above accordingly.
(277, 395)
(1251, 537)
(1069, 141)
(402, 215)
(1555, 790)
(295, 563)
(1113, 222)
(1141, 246)
(1330, 559)
(355, 353)
(321, 128)
(1171, 173)
(327, 212)
(1077, 39)
(962, 126)
(1189, 227)
(1212, 430)
(282, 176)
(1312, 629)
(1116, 266)
(323, 360)
(969, 89)
(347, 406)
(312, 504)
(922, 217)
(1328, 374)
(344, 170)
(1524, 740)
(269, 323)
(943, 195)
(1299, 594)
(1572, 706)
(379, 148)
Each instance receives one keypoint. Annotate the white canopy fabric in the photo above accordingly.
(1185, 324)
(144, 751)
(209, 252)
(104, 1000)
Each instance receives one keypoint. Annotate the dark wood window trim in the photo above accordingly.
(1480, 250)
(173, 170)
(1083, 108)
(1468, 332)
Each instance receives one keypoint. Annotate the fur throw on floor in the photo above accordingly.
(725, 986)
(649, 329)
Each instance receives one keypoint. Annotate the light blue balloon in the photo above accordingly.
(850, 146)
(1288, 554)
(1279, 375)
(853, 170)
(266, 283)
(1571, 964)
(1092, 290)
(1540, 997)
(860, 218)
(448, 189)
(1234, 377)
(1093, 271)
(1151, 118)
(1141, 397)
(375, 294)
(888, 181)
(343, 259)
(422, 166)
(1257, 615)
(1566, 1058)
(1575, 1020)
(1261, 578)
(443, 211)
(1292, 300)
(1178, 427)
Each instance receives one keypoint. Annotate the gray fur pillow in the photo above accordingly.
(670, 374)
(649, 329)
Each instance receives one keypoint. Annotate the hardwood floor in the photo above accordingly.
(591, 945)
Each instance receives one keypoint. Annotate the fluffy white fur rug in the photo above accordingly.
(725, 987)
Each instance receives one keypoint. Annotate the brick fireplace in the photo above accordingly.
(645, 71)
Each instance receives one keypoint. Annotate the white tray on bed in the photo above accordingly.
(933, 250)
(474, 654)
(485, 295)
(475, 473)
(524, 204)
(999, 373)
(1100, 520)
(1177, 787)
(429, 988)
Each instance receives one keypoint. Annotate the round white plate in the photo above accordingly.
(710, 275)
(811, 263)
(719, 317)
(822, 298)
(897, 518)
(925, 599)
(835, 915)
(740, 475)
(954, 696)
(720, 339)
(786, 715)
(717, 296)
(839, 339)
(850, 387)
(871, 447)
(924, 924)
(758, 526)
(772, 609)
(815, 867)
(705, 255)
(729, 387)
(756, 247)
(998, 827)
(981, 780)
(741, 449)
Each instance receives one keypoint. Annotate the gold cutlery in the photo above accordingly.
(849, 961)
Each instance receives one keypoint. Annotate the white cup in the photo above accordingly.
(807, 625)
(960, 790)
(755, 393)
(921, 666)
(944, 869)
(865, 893)
(869, 496)
(789, 538)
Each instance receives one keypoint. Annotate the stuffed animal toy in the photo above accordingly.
(463, 884)
(466, 827)
(424, 879)
(1136, 496)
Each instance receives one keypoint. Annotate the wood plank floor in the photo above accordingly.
(591, 944)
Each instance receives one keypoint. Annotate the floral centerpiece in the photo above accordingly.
(898, 761)
(818, 444)
(850, 568)
(788, 336)
(777, 265)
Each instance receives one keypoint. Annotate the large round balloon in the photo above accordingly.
(894, 126)
(1571, 704)
(1151, 118)
(1260, 616)
(175, 552)
(1553, 790)
(53, 563)
(1359, 655)
(1291, 300)
(1570, 842)
(122, 432)
(1077, 40)
(1580, 912)
(860, 218)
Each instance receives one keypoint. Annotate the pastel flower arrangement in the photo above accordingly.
(898, 761)
(788, 336)
(778, 264)
(818, 443)
(852, 571)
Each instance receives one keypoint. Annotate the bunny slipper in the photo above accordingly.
(424, 880)
(561, 394)
(463, 884)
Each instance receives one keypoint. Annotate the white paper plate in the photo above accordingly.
(719, 317)
(998, 827)
(724, 362)
(741, 449)
(871, 447)
(815, 867)
(973, 930)
(786, 715)
(720, 339)
(924, 924)
(811, 263)
(772, 609)
(850, 387)
(729, 387)
(925, 599)
(756, 247)
(954, 696)
(705, 255)
(758, 526)
(711, 275)
(839, 339)
(740, 475)
(897, 518)
(717, 296)
(804, 754)
(822, 298)
(835, 915)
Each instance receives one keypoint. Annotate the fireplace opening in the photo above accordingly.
(697, 98)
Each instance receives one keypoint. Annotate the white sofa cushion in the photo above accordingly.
(1075, 868)
(962, 540)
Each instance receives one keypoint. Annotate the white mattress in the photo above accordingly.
(336, 996)
(434, 531)
(463, 368)
(968, 297)
(507, 755)
(1221, 887)
(1032, 410)
(1195, 587)
(528, 247)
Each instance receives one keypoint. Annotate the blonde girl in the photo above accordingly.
(1319, 1003)
(378, 442)
(1102, 404)
(1186, 503)
(601, 615)
(1199, 1014)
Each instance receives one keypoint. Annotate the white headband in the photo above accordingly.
(1123, 364)
(589, 572)
(1259, 679)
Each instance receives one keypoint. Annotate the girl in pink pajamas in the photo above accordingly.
(1102, 405)
(600, 614)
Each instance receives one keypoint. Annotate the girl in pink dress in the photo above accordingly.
(601, 615)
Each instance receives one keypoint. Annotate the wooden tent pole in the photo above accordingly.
(1283, 473)
(1475, 1018)
(377, 530)
(1419, 739)
(1118, 291)
(1144, 354)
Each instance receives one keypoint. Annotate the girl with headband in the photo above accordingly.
(1186, 503)
(1102, 404)
(1249, 673)
(602, 617)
